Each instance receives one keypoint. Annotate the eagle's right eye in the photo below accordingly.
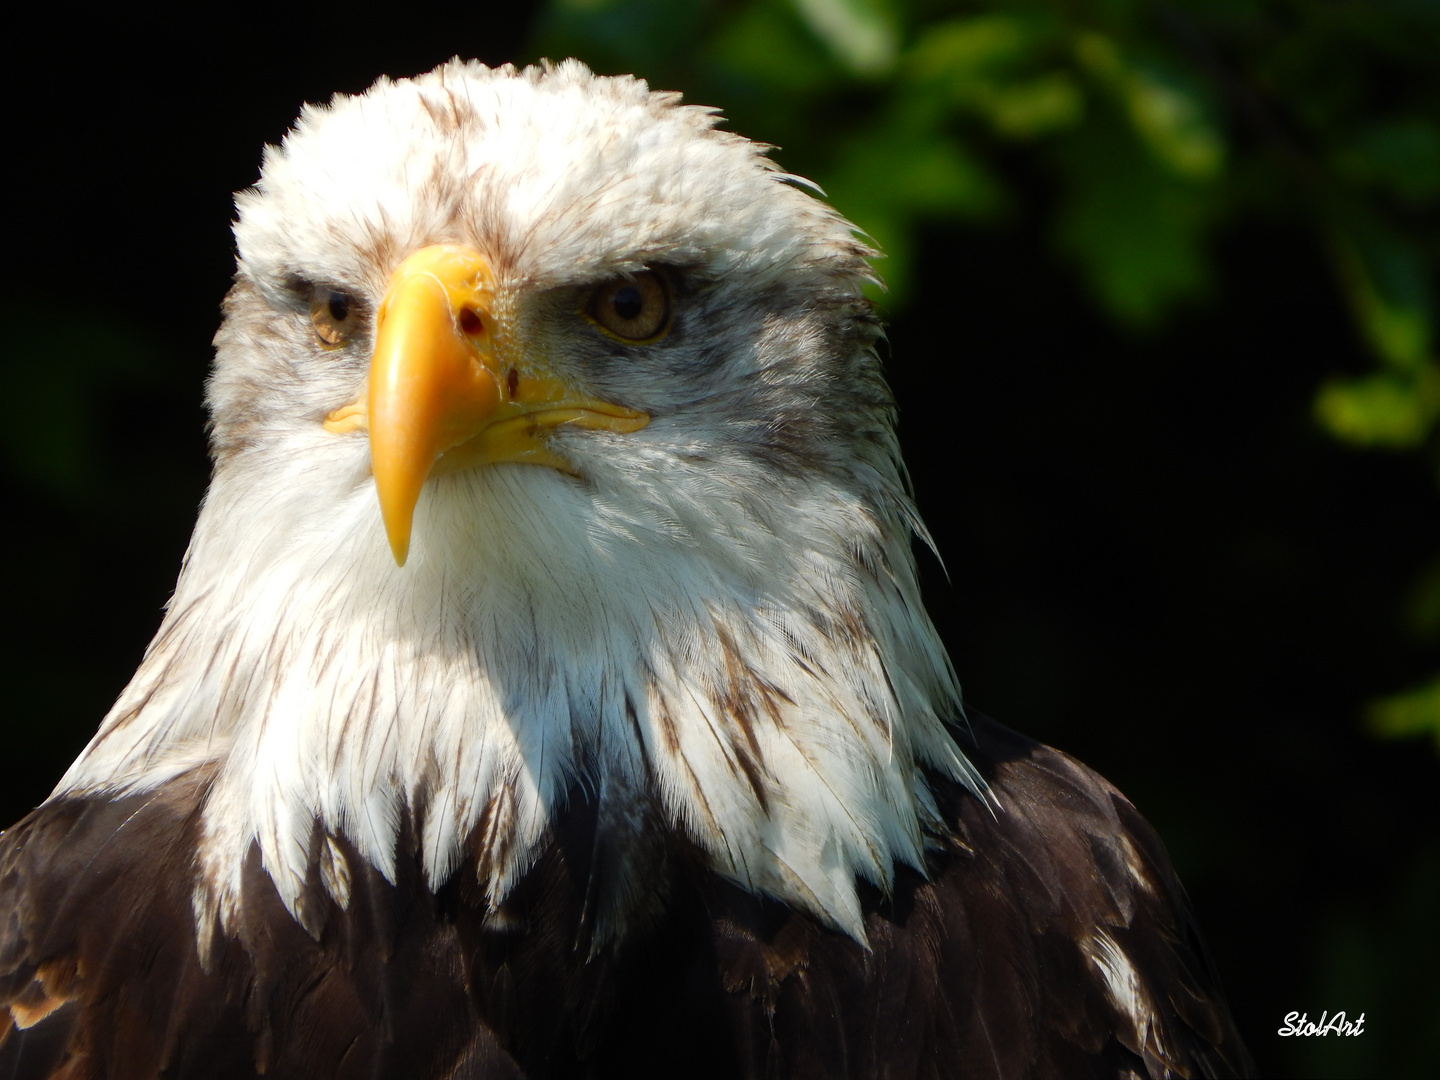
(333, 315)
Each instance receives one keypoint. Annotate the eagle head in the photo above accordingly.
(552, 460)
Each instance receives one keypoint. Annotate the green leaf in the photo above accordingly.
(992, 65)
(1413, 713)
(1422, 605)
(1388, 286)
(862, 34)
(1386, 409)
(1401, 155)
(1024, 110)
(1136, 231)
(1167, 111)
(765, 43)
(886, 178)
(962, 52)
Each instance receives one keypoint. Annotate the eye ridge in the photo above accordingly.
(634, 309)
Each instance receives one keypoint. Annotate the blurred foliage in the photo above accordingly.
(1140, 130)
(1378, 963)
(57, 388)
(1141, 135)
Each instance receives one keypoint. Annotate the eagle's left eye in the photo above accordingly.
(333, 315)
(635, 309)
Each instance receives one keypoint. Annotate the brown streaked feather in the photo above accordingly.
(978, 970)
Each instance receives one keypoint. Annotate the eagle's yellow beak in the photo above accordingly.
(450, 389)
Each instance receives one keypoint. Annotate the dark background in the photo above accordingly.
(1156, 559)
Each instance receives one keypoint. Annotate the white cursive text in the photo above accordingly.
(1298, 1023)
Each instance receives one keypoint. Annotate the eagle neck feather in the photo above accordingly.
(783, 728)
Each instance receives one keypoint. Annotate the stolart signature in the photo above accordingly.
(1298, 1023)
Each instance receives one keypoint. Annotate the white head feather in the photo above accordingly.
(716, 616)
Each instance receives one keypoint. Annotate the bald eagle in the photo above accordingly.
(546, 691)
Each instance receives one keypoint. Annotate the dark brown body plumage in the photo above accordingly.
(975, 972)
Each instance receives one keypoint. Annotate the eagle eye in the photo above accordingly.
(333, 315)
(634, 309)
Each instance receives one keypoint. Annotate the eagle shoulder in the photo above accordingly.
(101, 973)
(1049, 937)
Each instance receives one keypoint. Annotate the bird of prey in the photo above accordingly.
(546, 691)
